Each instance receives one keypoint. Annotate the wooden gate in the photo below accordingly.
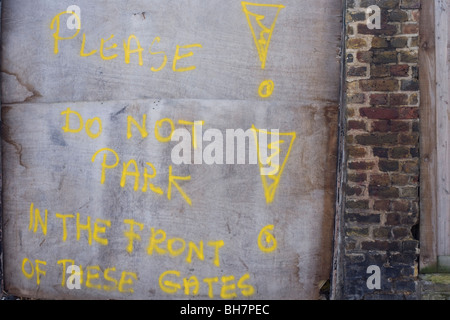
(169, 149)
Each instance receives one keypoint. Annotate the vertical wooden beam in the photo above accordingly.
(442, 99)
(428, 139)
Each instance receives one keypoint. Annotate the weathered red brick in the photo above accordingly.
(357, 204)
(362, 218)
(379, 42)
(383, 4)
(379, 99)
(409, 192)
(399, 42)
(381, 205)
(356, 232)
(399, 70)
(398, 99)
(382, 232)
(410, 4)
(381, 85)
(379, 113)
(380, 180)
(356, 125)
(379, 71)
(390, 126)
(356, 98)
(381, 245)
(409, 56)
(410, 28)
(409, 138)
(400, 153)
(356, 43)
(361, 165)
(393, 219)
(411, 167)
(409, 113)
(357, 177)
(388, 165)
(377, 139)
(399, 179)
(364, 56)
(384, 192)
(400, 126)
(386, 29)
(410, 85)
(356, 152)
(401, 233)
(357, 71)
(354, 190)
(356, 16)
(398, 15)
(380, 152)
(384, 56)
(401, 205)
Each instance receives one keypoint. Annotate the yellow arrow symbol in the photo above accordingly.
(261, 32)
(271, 179)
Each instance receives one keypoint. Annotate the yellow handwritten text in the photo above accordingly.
(261, 31)
(271, 179)
(160, 244)
(130, 171)
(29, 269)
(266, 240)
(100, 278)
(71, 116)
(227, 287)
(56, 25)
(132, 48)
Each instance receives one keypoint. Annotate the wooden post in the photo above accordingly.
(434, 228)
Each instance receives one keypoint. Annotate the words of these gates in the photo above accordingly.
(159, 243)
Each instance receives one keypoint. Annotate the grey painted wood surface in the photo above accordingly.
(301, 59)
(225, 207)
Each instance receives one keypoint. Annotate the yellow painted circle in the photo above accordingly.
(266, 88)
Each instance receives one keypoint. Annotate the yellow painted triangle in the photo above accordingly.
(271, 179)
(261, 32)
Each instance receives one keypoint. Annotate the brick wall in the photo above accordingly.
(381, 211)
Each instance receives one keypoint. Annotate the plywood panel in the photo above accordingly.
(53, 170)
(228, 65)
(200, 230)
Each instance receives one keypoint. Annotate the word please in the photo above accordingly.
(107, 49)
